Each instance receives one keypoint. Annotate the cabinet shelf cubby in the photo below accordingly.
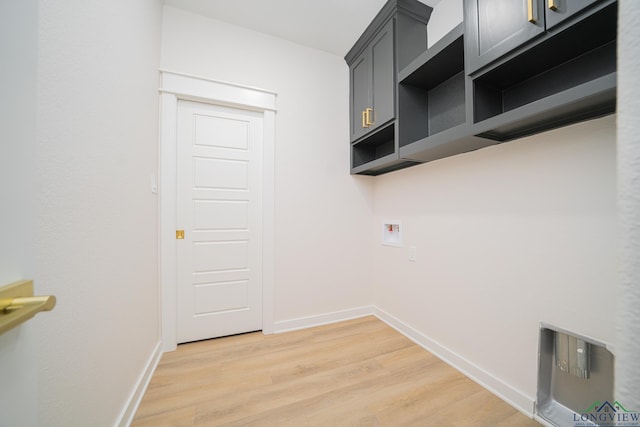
(377, 153)
(432, 103)
(431, 90)
(568, 77)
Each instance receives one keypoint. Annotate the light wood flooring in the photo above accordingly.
(355, 373)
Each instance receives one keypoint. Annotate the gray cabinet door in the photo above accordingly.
(558, 10)
(383, 76)
(495, 27)
(360, 94)
(373, 84)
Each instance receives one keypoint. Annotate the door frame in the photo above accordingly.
(173, 88)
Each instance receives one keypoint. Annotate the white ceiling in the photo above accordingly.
(329, 25)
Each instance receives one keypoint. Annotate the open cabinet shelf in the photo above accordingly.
(567, 77)
(431, 91)
(432, 98)
(377, 154)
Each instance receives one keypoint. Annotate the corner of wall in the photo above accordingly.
(140, 387)
(627, 364)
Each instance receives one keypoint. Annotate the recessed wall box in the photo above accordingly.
(575, 379)
(392, 233)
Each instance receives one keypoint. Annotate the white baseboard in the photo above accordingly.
(515, 398)
(322, 319)
(129, 411)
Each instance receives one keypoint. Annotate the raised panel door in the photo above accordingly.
(495, 27)
(219, 169)
(383, 77)
(360, 93)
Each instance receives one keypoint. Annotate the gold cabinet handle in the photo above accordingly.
(364, 119)
(553, 5)
(530, 16)
(180, 234)
(369, 111)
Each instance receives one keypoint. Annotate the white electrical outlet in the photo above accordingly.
(412, 253)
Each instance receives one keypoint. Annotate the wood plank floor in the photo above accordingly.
(355, 373)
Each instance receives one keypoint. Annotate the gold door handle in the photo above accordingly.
(364, 119)
(369, 111)
(553, 5)
(18, 304)
(530, 15)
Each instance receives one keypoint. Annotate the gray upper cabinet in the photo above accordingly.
(360, 96)
(383, 73)
(565, 74)
(395, 37)
(513, 68)
(373, 85)
(496, 27)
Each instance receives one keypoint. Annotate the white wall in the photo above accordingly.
(323, 216)
(507, 237)
(445, 16)
(18, 54)
(97, 225)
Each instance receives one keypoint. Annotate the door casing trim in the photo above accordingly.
(177, 86)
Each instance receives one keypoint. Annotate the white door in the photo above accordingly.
(219, 190)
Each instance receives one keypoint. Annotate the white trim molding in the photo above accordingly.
(133, 402)
(190, 87)
(322, 319)
(175, 87)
